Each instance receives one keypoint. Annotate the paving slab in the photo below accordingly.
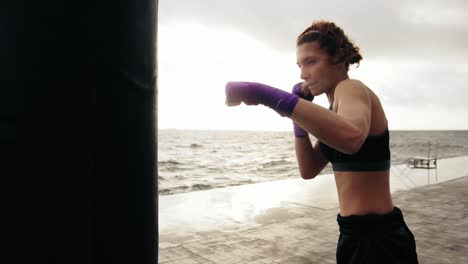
(299, 233)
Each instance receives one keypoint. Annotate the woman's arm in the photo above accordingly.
(309, 158)
(345, 130)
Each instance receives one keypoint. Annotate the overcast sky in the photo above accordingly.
(415, 58)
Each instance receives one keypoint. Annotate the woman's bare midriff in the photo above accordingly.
(362, 193)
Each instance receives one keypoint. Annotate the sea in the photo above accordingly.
(195, 160)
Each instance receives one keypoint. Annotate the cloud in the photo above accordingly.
(414, 51)
(381, 28)
(416, 83)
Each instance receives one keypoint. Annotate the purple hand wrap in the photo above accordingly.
(299, 132)
(252, 93)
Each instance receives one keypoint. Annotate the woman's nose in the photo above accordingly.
(304, 74)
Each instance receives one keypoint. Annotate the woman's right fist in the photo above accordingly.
(237, 92)
(302, 92)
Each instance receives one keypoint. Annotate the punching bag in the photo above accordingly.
(78, 125)
(47, 79)
(125, 223)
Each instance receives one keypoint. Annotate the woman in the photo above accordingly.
(353, 135)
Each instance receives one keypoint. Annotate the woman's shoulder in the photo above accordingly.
(351, 86)
(351, 83)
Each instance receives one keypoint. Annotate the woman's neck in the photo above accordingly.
(331, 93)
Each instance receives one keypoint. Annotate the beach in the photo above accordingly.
(294, 221)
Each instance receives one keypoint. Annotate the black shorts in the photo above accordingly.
(381, 239)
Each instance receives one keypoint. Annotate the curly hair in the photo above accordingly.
(333, 40)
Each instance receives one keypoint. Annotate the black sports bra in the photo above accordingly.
(374, 155)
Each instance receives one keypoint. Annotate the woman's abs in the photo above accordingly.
(362, 193)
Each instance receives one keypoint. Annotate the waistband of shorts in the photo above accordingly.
(356, 224)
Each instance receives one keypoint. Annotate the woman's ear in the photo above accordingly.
(338, 57)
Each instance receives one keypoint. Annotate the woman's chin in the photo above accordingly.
(316, 92)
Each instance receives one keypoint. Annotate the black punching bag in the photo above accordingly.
(125, 224)
(47, 80)
(78, 123)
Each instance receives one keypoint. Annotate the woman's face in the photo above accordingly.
(319, 75)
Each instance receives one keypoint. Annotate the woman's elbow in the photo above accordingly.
(353, 145)
(309, 175)
(351, 148)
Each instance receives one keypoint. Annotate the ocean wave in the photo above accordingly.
(243, 182)
(200, 187)
(170, 178)
(169, 162)
(273, 163)
(178, 189)
(175, 168)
